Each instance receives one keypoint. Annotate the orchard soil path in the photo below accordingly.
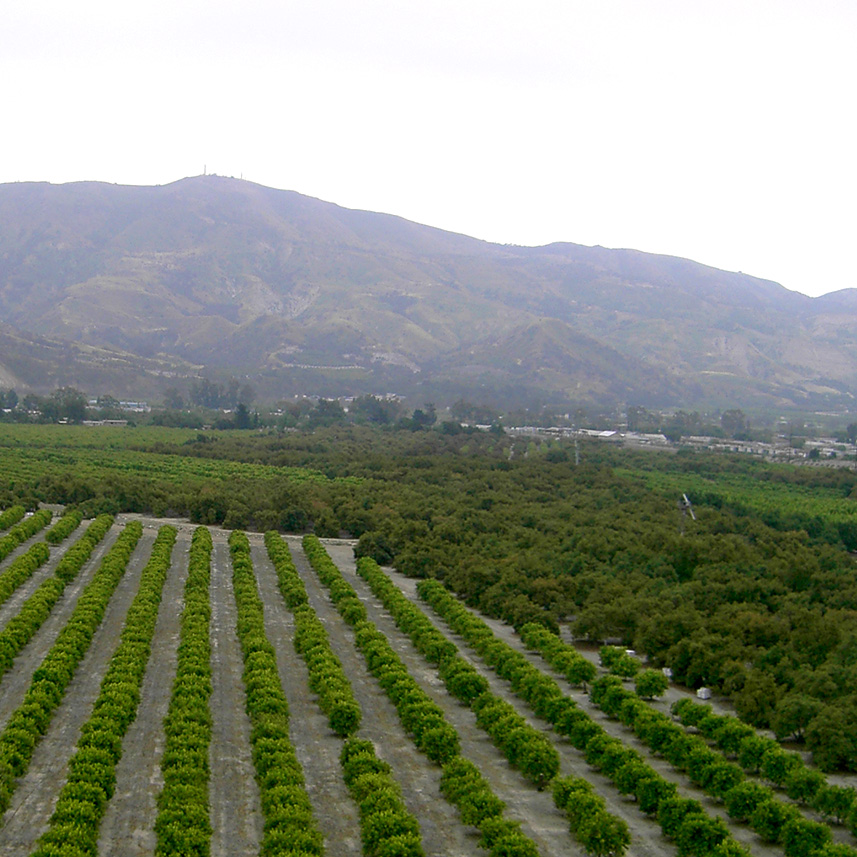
(37, 791)
(647, 838)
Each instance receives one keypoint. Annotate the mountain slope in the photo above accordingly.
(290, 290)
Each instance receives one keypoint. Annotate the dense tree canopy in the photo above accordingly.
(757, 598)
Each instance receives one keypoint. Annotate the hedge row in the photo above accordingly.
(597, 830)
(290, 828)
(22, 569)
(745, 801)
(23, 531)
(757, 754)
(74, 825)
(31, 719)
(419, 714)
(578, 670)
(326, 676)
(387, 829)
(182, 825)
(526, 748)
(432, 644)
(342, 593)
(623, 765)
(291, 585)
(421, 717)
(21, 627)
(64, 527)
(11, 516)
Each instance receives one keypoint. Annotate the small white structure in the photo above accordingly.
(667, 672)
(703, 693)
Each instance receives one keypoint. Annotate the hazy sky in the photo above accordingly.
(721, 131)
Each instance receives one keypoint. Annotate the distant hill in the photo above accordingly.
(299, 295)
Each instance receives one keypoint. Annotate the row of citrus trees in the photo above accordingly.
(763, 756)
(387, 828)
(757, 754)
(681, 819)
(422, 718)
(74, 825)
(526, 747)
(11, 516)
(182, 825)
(289, 825)
(744, 801)
(31, 719)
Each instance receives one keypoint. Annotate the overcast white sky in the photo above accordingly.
(722, 131)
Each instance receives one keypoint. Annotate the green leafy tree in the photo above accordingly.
(651, 683)
(699, 835)
(778, 764)
(803, 838)
(803, 784)
(604, 835)
(835, 802)
(735, 424)
(794, 712)
(770, 817)
(742, 799)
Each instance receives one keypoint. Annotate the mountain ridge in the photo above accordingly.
(223, 273)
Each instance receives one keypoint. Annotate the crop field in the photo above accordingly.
(172, 689)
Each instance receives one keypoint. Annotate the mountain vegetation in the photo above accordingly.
(137, 290)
